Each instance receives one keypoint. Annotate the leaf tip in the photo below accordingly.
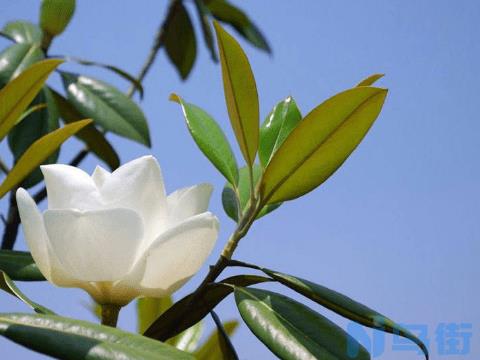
(175, 98)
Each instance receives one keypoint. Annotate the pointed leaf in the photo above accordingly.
(17, 58)
(149, 309)
(210, 139)
(370, 80)
(203, 15)
(19, 266)
(240, 93)
(291, 330)
(69, 339)
(188, 339)
(320, 143)
(24, 32)
(37, 153)
(107, 106)
(218, 345)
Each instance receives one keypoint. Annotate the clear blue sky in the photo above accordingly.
(398, 226)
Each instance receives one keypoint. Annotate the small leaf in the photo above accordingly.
(24, 32)
(37, 153)
(32, 109)
(7, 285)
(179, 39)
(370, 80)
(203, 15)
(210, 139)
(283, 118)
(89, 135)
(218, 345)
(69, 339)
(240, 93)
(19, 266)
(320, 143)
(291, 330)
(17, 58)
(149, 309)
(19, 93)
(107, 106)
(230, 203)
(188, 339)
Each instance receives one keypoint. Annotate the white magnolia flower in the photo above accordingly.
(117, 235)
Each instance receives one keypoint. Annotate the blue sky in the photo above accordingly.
(397, 226)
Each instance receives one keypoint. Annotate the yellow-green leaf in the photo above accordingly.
(19, 93)
(370, 80)
(211, 349)
(320, 143)
(149, 309)
(240, 93)
(38, 152)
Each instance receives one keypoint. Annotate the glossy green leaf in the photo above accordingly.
(230, 202)
(320, 143)
(240, 93)
(291, 330)
(344, 306)
(19, 93)
(69, 339)
(204, 14)
(17, 58)
(210, 139)
(183, 314)
(107, 106)
(37, 153)
(32, 128)
(149, 309)
(7, 285)
(19, 266)
(24, 32)
(283, 118)
(218, 346)
(225, 12)
(179, 39)
(370, 80)
(89, 135)
(188, 340)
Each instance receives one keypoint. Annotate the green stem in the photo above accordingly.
(110, 314)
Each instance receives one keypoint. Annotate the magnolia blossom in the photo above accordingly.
(117, 235)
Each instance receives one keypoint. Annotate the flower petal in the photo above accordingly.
(99, 245)
(69, 187)
(188, 202)
(100, 175)
(178, 254)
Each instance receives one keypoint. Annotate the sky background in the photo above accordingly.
(396, 228)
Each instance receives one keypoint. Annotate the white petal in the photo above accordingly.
(99, 245)
(188, 202)
(69, 187)
(100, 175)
(178, 254)
(38, 242)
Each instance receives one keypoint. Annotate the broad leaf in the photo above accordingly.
(320, 143)
(218, 346)
(19, 266)
(69, 339)
(179, 39)
(210, 139)
(37, 153)
(7, 285)
(149, 309)
(24, 32)
(283, 118)
(240, 93)
(89, 135)
(17, 58)
(183, 314)
(291, 330)
(107, 106)
(344, 306)
(370, 80)
(203, 14)
(19, 93)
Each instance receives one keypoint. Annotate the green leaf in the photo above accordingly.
(17, 58)
(188, 339)
(37, 153)
(184, 314)
(320, 143)
(283, 118)
(344, 306)
(240, 93)
(24, 32)
(210, 139)
(19, 266)
(69, 339)
(225, 12)
(149, 309)
(291, 330)
(179, 39)
(107, 106)
(32, 128)
(218, 346)
(31, 110)
(204, 14)
(370, 80)
(89, 135)
(19, 93)
(7, 285)
(230, 202)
